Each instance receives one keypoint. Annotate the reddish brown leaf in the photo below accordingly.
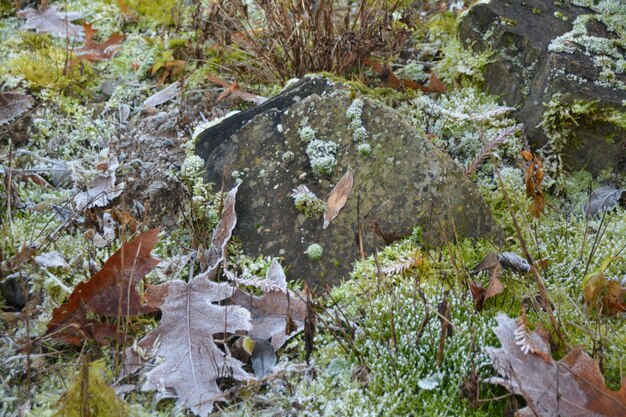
(233, 88)
(390, 80)
(338, 198)
(94, 51)
(602, 294)
(572, 386)
(110, 292)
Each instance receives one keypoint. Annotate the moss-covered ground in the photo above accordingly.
(400, 337)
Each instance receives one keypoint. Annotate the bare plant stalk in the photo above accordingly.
(543, 292)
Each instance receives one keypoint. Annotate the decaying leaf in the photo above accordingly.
(494, 262)
(533, 178)
(263, 358)
(51, 260)
(191, 361)
(571, 387)
(223, 231)
(275, 279)
(111, 292)
(163, 96)
(233, 88)
(338, 198)
(389, 79)
(603, 199)
(514, 262)
(13, 105)
(480, 295)
(102, 189)
(95, 51)
(48, 19)
(603, 294)
(273, 314)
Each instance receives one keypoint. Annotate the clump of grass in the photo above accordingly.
(285, 39)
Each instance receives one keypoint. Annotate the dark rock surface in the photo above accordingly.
(527, 72)
(403, 182)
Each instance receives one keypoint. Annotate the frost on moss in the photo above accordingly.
(605, 52)
(321, 153)
(314, 251)
(462, 122)
(461, 65)
(307, 202)
(560, 120)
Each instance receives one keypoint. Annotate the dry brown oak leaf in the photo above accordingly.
(571, 387)
(94, 51)
(110, 292)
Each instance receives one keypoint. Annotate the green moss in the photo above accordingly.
(156, 13)
(461, 65)
(48, 67)
(101, 399)
(561, 118)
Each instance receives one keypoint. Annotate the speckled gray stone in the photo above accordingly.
(405, 182)
(526, 74)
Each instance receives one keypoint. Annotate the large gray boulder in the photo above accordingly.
(400, 179)
(561, 64)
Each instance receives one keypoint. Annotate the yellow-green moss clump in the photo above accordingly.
(45, 66)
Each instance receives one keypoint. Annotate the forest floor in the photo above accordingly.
(100, 104)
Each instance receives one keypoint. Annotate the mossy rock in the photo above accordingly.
(402, 183)
(558, 53)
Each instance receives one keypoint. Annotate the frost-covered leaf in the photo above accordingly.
(102, 189)
(275, 279)
(273, 314)
(163, 96)
(263, 358)
(338, 198)
(95, 51)
(51, 260)
(48, 19)
(223, 231)
(109, 292)
(602, 199)
(191, 361)
(431, 382)
(571, 387)
(13, 105)
(514, 262)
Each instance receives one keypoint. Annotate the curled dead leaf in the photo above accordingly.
(338, 198)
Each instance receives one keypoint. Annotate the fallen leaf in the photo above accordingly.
(480, 295)
(263, 358)
(49, 20)
(51, 260)
(275, 279)
(223, 231)
(13, 105)
(110, 292)
(602, 294)
(514, 262)
(163, 96)
(571, 387)
(338, 198)
(233, 88)
(489, 263)
(191, 362)
(94, 51)
(390, 80)
(602, 199)
(101, 190)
